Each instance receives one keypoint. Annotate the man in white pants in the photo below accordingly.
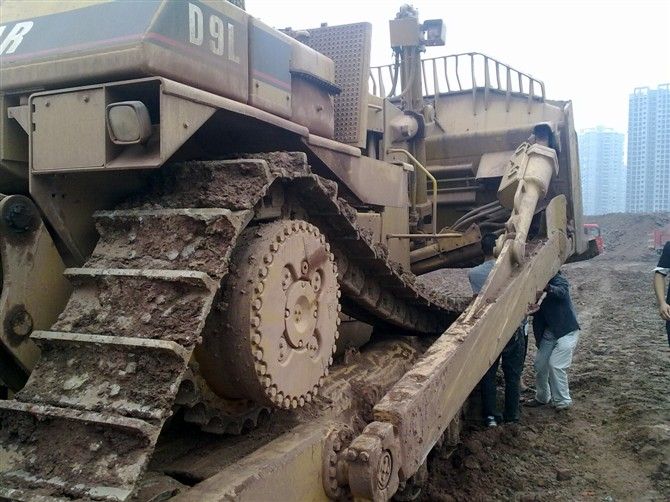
(556, 334)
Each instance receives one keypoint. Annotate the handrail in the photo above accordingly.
(418, 164)
(461, 72)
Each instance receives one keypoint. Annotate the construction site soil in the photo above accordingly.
(614, 444)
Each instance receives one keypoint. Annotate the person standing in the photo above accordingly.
(513, 355)
(556, 333)
(660, 273)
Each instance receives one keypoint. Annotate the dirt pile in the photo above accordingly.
(614, 444)
(627, 236)
(449, 283)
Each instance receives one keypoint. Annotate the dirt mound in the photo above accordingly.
(448, 283)
(614, 444)
(627, 236)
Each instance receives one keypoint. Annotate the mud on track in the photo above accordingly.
(615, 442)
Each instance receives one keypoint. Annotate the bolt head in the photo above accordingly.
(19, 216)
(20, 322)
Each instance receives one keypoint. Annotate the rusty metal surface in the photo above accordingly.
(349, 47)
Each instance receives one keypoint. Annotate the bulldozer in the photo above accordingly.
(211, 233)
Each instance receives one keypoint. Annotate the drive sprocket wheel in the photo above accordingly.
(279, 316)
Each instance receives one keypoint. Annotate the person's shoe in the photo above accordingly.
(562, 407)
(490, 421)
(533, 403)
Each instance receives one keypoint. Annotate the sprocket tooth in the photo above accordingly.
(188, 394)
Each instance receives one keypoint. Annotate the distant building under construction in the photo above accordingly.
(602, 171)
(648, 174)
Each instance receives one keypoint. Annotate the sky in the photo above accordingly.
(593, 52)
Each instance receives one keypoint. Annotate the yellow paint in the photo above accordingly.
(15, 10)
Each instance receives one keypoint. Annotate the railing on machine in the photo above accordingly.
(455, 73)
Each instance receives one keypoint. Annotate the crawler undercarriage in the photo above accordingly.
(209, 256)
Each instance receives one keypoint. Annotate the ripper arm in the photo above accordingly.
(413, 415)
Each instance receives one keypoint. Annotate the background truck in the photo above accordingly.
(192, 202)
(658, 238)
(592, 231)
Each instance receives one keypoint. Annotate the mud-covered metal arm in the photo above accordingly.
(421, 405)
(525, 183)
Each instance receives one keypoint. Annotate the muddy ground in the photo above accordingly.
(614, 444)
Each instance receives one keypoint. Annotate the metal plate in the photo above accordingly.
(349, 47)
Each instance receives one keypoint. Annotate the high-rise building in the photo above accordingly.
(648, 180)
(602, 171)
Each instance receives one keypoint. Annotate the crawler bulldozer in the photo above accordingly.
(210, 237)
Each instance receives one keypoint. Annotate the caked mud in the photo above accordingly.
(614, 444)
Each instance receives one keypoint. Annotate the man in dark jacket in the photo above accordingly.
(513, 355)
(660, 273)
(556, 333)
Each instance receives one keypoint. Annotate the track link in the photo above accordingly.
(87, 421)
(213, 413)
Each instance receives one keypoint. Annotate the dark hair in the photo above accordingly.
(488, 243)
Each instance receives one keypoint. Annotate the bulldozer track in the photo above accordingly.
(87, 421)
(213, 413)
